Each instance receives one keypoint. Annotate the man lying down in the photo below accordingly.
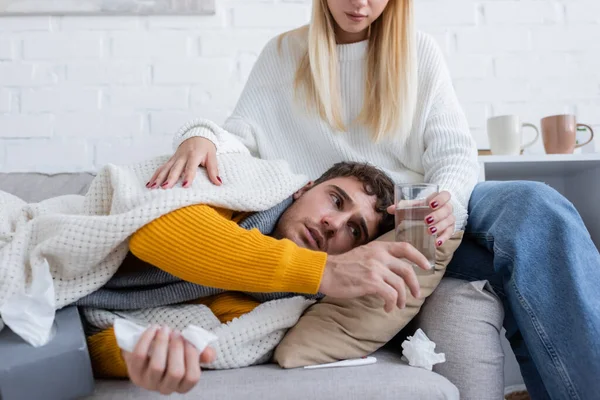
(244, 268)
(200, 257)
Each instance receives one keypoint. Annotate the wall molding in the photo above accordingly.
(106, 7)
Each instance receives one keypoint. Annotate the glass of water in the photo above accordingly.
(412, 206)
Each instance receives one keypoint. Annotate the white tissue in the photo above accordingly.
(31, 314)
(128, 333)
(199, 337)
(418, 351)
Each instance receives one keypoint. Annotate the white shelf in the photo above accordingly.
(537, 166)
(541, 158)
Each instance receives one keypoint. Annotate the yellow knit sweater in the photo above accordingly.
(206, 246)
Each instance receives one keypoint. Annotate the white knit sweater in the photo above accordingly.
(273, 125)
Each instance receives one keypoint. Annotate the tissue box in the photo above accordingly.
(59, 370)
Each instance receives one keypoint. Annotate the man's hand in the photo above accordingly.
(375, 268)
(164, 361)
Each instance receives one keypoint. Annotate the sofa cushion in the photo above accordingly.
(390, 378)
(35, 187)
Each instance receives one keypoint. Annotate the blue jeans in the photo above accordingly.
(533, 247)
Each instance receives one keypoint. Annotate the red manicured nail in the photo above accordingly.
(184, 183)
(219, 179)
(164, 184)
(430, 220)
(439, 243)
(147, 183)
(434, 204)
(153, 185)
(433, 229)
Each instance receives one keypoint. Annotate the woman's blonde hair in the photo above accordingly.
(391, 78)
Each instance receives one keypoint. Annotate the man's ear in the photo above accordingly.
(303, 190)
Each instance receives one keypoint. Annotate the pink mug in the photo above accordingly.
(559, 133)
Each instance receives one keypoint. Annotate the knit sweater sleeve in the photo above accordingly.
(201, 244)
(450, 157)
(105, 355)
(236, 136)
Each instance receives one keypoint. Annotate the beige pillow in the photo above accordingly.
(338, 329)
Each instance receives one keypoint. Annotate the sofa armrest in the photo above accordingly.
(464, 319)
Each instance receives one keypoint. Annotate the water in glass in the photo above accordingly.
(411, 228)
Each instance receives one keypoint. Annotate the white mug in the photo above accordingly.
(506, 134)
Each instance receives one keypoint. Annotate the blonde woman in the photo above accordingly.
(359, 84)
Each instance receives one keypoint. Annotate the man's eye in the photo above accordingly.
(355, 231)
(336, 200)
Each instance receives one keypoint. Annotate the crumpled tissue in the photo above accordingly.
(30, 314)
(418, 351)
(128, 333)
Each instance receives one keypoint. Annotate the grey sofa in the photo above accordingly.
(475, 370)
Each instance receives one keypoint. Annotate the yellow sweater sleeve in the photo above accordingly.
(105, 354)
(201, 244)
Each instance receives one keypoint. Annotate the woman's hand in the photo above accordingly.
(441, 220)
(190, 154)
(164, 361)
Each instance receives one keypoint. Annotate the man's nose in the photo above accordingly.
(333, 223)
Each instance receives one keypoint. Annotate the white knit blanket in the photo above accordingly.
(78, 242)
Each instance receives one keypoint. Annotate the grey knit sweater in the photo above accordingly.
(149, 286)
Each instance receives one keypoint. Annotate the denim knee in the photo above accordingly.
(528, 194)
(514, 202)
(538, 194)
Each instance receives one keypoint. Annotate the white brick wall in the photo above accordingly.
(5, 101)
(6, 49)
(79, 92)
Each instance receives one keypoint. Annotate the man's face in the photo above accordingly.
(334, 216)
